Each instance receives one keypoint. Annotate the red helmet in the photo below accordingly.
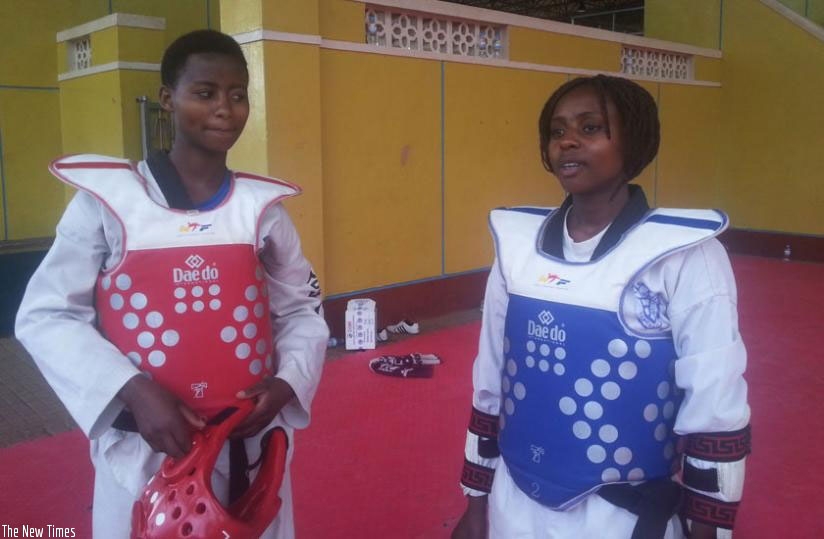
(178, 502)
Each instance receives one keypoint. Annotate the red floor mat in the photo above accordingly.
(383, 456)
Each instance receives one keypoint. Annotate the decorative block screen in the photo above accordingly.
(656, 64)
(415, 31)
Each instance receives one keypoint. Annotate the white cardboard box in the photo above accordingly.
(361, 317)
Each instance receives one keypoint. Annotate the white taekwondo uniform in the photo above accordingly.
(589, 368)
(132, 286)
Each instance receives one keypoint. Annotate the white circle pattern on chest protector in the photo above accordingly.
(519, 390)
(593, 410)
(130, 321)
(506, 385)
(642, 349)
(241, 313)
(530, 346)
(622, 456)
(559, 369)
(651, 412)
(145, 339)
(635, 474)
(157, 358)
(116, 301)
(627, 370)
(511, 367)
(180, 292)
(260, 346)
(610, 391)
(106, 282)
(661, 432)
(197, 291)
(198, 306)
(242, 351)
(543, 365)
(138, 300)
(600, 368)
(228, 334)
(567, 405)
(154, 319)
(214, 289)
(250, 330)
(170, 338)
(123, 282)
(610, 475)
(560, 353)
(544, 349)
(581, 430)
(509, 406)
(617, 348)
(251, 293)
(255, 366)
(214, 304)
(529, 361)
(583, 387)
(259, 310)
(596, 454)
(181, 307)
(608, 433)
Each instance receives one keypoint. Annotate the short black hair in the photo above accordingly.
(637, 110)
(197, 42)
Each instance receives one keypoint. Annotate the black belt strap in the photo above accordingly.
(238, 469)
(653, 501)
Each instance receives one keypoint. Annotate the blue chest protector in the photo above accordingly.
(586, 400)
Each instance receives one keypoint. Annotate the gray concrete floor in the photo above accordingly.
(29, 408)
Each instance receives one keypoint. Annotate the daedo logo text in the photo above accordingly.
(197, 272)
(543, 330)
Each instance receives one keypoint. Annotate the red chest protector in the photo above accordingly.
(188, 302)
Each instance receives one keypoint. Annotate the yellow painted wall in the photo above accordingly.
(771, 117)
(537, 47)
(30, 138)
(181, 15)
(492, 154)
(687, 173)
(684, 21)
(89, 123)
(342, 20)
(381, 170)
(296, 16)
(293, 114)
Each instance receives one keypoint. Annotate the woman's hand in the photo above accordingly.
(473, 522)
(163, 421)
(270, 395)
